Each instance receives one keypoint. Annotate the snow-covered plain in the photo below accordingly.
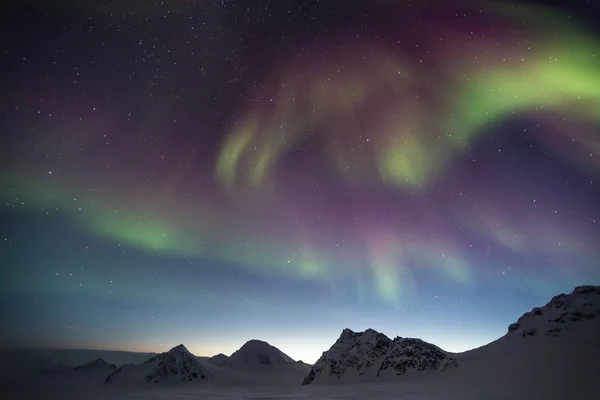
(510, 368)
(552, 352)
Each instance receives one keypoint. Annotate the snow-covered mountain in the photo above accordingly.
(220, 359)
(551, 352)
(93, 371)
(361, 356)
(98, 365)
(560, 315)
(256, 363)
(557, 342)
(178, 364)
(303, 366)
(25, 362)
(258, 353)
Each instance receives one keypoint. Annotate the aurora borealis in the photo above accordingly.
(207, 172)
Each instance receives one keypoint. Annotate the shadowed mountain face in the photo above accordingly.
(256, 352)
(96, 365)
(219, 359)
(178, 364)
(259, 357)
(414, 354)
(371, 354)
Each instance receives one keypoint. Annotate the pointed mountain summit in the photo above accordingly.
(361, 356)
(180, 351)
(97, 365)
(177, 364)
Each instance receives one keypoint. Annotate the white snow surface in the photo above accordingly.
(544, 365)
(561, 314)
(259, 356)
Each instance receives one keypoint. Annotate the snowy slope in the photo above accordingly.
(258, 353)
(259, 356)
(368, 355)
(93, 371)
(552, 353)
(560, 315)
(303, 366)
(98, 365)
(178, 364)
(219, 359)
(545, 365)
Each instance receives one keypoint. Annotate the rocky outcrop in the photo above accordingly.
(415, 354)
(373, 353)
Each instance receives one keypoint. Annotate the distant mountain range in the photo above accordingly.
(98, 365)
(543, 343)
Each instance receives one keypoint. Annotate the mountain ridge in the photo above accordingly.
(372, 354)
(367, 355)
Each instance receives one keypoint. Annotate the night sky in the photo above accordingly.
(208, 172)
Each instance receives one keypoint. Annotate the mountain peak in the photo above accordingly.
(369, 354)
(255, 343)
(347, 333)
(97, 364)
(257, 352)
(176, 364)
(350, 334)
(180, 349)
(219, 359)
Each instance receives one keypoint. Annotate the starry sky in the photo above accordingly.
(208, 172)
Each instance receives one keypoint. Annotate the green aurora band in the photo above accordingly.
(560, 75)
(407, 146)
